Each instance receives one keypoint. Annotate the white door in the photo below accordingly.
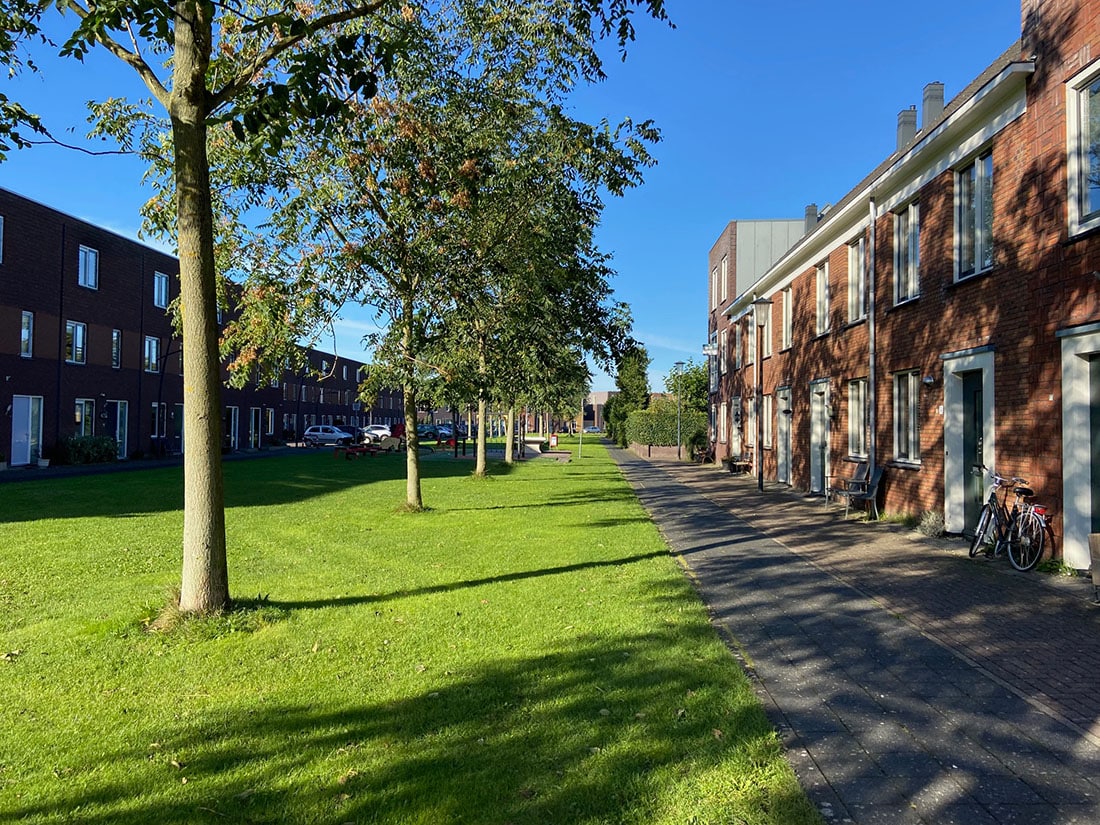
(26, 428)
(819, 435)
(116, 414)
(783, 435)
(232, 425)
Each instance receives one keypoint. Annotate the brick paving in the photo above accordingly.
(910, 683)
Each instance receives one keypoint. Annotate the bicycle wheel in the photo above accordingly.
(983, 533)
(1025, 542)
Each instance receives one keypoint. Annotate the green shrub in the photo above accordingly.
(657, 425)
(85, 449)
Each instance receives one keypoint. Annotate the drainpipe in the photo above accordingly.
(872, 354)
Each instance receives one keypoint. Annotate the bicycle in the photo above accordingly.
(995, 519)
(1026, 538)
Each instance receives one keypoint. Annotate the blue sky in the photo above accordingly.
(763, 108)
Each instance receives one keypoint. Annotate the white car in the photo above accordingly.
(326, 434)
(376, 432)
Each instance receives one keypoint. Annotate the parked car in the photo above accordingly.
(376, 432)
(427, 431)
(320, 434)
(444, 431)
(356, 435)
(591, 429)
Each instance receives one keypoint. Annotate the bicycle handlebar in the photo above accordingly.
(1000, 480)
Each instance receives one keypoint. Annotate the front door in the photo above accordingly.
(783, 435)
(819, 435)
(255, 421)
(973, 447)
(232, 424)
(26, 429)
(115, 414)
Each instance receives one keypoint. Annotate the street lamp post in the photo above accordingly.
(679, 379)
(759, 308)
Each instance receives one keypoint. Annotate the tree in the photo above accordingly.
(261, 72)
(632, 382)
(691, 383)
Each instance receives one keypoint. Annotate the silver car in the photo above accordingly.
(320, 434)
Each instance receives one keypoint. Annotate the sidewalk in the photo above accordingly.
(910, 683)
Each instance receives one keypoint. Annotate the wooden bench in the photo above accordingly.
(354, 451)
(740, 463)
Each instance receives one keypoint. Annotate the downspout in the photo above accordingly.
(872, 351)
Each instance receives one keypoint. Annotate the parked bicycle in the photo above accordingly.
(1020, 530)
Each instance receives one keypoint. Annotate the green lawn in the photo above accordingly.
(525, 652)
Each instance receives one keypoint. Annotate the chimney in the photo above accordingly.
(933, 105)
(907, 126)
(810, 220)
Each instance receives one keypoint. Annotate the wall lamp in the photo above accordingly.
(928, 380)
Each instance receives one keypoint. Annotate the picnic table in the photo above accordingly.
(355, 450)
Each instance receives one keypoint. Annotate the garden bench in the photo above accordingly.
(355, 451)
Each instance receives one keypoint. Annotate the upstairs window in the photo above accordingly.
(974, 217)
(88, 268)
(26, 335)
(723, 351)
(822, 286)
(160, 290)
(714, 288)
(1, 239)
(725, 278)
(788, 319)
(766, 333)
(857, 281)
(116, 348)
(75, 336)
(737, 346)
(151, 358)
(907, 253)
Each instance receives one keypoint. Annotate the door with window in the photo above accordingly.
(114, 415)
(973, 447)
(26, 429)
(783, 435)
(819, 435)
(232, 425)
(255, 422)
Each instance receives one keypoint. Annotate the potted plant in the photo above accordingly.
(44, 458)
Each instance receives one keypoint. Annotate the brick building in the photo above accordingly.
(87, 348)
(945, 314)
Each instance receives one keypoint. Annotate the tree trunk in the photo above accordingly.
(413, 498)
(205, 583)
(481, 468)
(509, 434)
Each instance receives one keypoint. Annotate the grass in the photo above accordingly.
(525, 652)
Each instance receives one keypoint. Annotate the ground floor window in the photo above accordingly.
(857, 418)
(906, 416)
(84, 416)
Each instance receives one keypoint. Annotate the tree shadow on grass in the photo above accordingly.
(606, 729)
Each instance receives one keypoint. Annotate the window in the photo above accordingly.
(767, 422)
(88, 268)
(737, 346)
(723, 427)
(751, 357)
(857, 418)
(714, 288)
(788, 319)
(750, 424)
(857, 281)
(345, 372)
(906, 417)
(974, 217)
(725, 277)
(723, 351)
(151, 360)
(160, 289)
(269, 421)
(26, 335)
(75, 334)
(907, 253)
(84, 416)
(823, 298)
(1083, 132)
(116, 348)
(766, 333)
(158, 425)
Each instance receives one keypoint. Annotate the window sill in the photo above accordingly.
(819, 335)
(1082, 233)
(974, 276)
(858, 322)
(903, 464)
(903, 304)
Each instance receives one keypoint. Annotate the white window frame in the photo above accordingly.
(160, 290)
(788, 319)
(907, 266)
(821, 291)
(116, 349)
(76, 342)
(750, 422)
(723, 352)
(857, 418)
(737, 346)
(725, 278)
(151, 354)
(750, 354)
(84, 416)
(769, 421)
(26, 335)
(907, 417)
(857, 279)
(766, 333)
(1081, 217)
(87, 274)
(723, 424)
(714, 288)
(974, 216)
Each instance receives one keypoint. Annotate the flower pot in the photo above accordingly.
(43, 462)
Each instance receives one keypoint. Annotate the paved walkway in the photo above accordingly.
(910, 683)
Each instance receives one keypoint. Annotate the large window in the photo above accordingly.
(737, 346)
(857, 281)
(906, 417)
(151, 359)
(714, 288)
(822, 287)
(116, 348)
(26, 335)
(907, 253)
(725, 275)
(84, 416)
(723, 351)
(857, 418)
(88, 268)
(768, 421)
(974, 217)
(1083, 128)
(160, 289)
(788, 319)
(766, 333)
(75, 337)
